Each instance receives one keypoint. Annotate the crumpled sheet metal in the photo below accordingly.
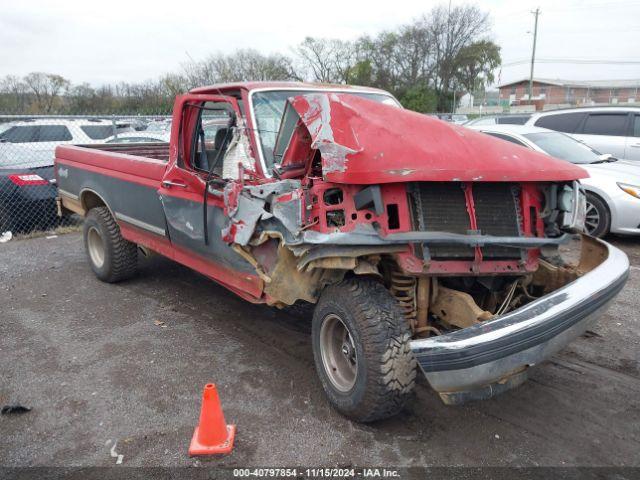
(315, 112)
(246, 208)
(365, 142)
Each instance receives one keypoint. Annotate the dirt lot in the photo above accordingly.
(96, 369)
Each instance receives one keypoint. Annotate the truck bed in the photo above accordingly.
(155, 150)
(124, 177)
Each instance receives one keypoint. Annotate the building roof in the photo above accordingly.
(579, 83)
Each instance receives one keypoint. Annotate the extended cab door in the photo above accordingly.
(208, 130)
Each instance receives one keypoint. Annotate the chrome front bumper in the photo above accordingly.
(481, 361)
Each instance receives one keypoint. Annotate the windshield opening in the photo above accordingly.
(564, 147)
(269, 106)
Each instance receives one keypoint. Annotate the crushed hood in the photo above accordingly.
(365, 142)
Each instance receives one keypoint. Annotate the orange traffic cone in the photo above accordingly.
(212, 435)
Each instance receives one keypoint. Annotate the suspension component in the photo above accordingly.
(403, 288)
(422, 304)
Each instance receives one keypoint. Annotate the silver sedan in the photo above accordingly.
(613, 186)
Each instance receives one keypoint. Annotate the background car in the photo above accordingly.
(140, 137)
(499, 120)
(158, 125)
(613, 188)
(27, 185)
(456, 118)
(615, 130)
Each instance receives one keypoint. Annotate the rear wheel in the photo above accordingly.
(112, 258)
(361, 350)
(598, 218)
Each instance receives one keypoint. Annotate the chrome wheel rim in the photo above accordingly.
(95, 246)
(592, 218)
(338, 352)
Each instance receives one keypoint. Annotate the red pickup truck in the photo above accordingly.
(419, 242)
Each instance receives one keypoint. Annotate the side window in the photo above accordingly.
(636, 126)
(20, 134)
(508, 138)
(606, 124)
(288, 124)
(561, 122)
(98, 132)
(53, 133)
(212, 136)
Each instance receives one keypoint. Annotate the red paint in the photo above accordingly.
(247, 286)
(394, 145)
(379, 144)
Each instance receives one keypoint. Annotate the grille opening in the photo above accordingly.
(333, 196)
(335, 218)
(393, 216)
(442, 207)
(533, 216)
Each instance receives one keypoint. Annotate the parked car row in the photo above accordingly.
(613, 130)
(27, 185)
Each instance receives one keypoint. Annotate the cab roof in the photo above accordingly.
(222, 87)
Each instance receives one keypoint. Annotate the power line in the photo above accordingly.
(573, 61)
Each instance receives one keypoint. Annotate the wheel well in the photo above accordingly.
(90, 199)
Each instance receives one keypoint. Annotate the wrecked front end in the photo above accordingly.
(466, 232)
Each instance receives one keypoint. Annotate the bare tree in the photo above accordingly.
(242, 65)
(15, 94)
(450, 31)
(47, 88)
(326, 60)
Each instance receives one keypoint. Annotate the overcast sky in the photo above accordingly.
(116, 40)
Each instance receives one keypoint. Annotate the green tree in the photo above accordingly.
(419, 98)
(476, 64)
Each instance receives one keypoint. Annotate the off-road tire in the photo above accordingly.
(604, 216)
(386, 367)
(120, 256)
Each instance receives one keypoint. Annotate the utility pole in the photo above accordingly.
(533, 53)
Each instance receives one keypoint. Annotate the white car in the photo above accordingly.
(140, 137)
(613, 188)
(32, 143)
(612, 129)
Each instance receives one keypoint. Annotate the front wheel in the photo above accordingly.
(361, 350)
(598, 219)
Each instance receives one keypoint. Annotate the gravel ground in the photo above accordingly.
(95, 367)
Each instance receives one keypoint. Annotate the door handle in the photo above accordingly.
(169, 184)
(636, 145)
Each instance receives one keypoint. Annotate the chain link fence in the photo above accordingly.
(28, 188)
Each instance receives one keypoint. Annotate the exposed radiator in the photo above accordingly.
(441, 207)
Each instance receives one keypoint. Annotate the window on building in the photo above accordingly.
(513, 90)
